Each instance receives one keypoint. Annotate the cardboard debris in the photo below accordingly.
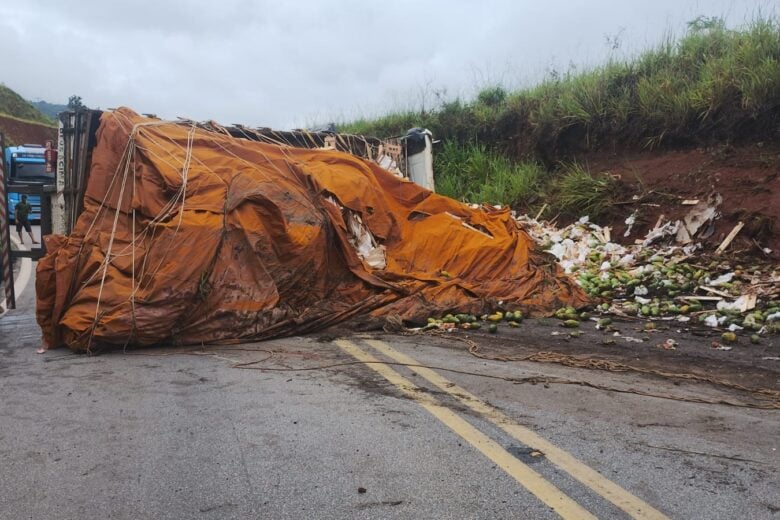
(702, 213)
(658, 278)
(747, 302)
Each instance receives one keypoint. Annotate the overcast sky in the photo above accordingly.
(292, 64)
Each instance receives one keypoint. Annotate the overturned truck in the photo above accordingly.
(190, 234)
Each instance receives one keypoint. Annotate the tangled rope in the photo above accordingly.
(767, 399)
(770, 399)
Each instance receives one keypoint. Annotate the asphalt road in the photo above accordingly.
(182, 433)
(36, 231)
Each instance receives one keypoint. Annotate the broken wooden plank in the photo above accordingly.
(715, 291)
(467, 225)
(700, 298)
(726, 241)
(540, 212)
(658, 222)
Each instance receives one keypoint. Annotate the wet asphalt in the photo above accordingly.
(176, 433)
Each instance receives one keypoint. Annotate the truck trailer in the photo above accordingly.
(26, 164)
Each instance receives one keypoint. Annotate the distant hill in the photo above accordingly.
(14, 105)
(49, 109)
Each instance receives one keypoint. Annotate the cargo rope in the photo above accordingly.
(534, 380)
(591, 363)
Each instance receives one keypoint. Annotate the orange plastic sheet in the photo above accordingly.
(191, 236)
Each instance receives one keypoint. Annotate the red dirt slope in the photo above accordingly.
(21, 132)
(748, 179)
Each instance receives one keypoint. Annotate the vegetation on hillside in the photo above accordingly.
(475, 173)
(14, 105)
(714, 84)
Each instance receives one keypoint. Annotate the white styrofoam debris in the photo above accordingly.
(720, 280)
(630, 221)
(557, 250)
(711, 321)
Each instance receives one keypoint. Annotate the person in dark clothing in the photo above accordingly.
(22, 212)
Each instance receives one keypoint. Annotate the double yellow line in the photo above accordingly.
(522, 473)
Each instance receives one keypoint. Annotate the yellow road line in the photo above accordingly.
(527, 477)
(621, 498)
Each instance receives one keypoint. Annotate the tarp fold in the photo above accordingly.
(191, 236)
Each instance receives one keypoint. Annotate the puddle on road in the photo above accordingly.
(525, 454)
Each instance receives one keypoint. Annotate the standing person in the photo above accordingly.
(22, 212)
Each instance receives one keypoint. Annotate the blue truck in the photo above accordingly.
(26, 164)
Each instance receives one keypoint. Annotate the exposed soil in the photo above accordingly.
(20, 132)
(655, 183)
(747, 177)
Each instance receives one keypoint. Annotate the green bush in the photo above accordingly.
(512, 184)
(492, 96)
(474, 173)
(578, 192)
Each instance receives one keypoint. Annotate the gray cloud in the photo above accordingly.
(286, 64)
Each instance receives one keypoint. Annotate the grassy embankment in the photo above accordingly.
(16, 107)
(19, 119)
(712, 85)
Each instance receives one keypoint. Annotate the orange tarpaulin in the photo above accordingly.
(191, 236)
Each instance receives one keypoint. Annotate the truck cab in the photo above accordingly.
(26, 164)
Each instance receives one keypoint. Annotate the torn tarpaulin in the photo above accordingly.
(190, 235)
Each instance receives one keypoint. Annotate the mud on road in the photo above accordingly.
(627, 344)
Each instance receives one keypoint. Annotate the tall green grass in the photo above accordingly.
(713, 83)
(12, 104)
(473, 173)
(576, 191)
